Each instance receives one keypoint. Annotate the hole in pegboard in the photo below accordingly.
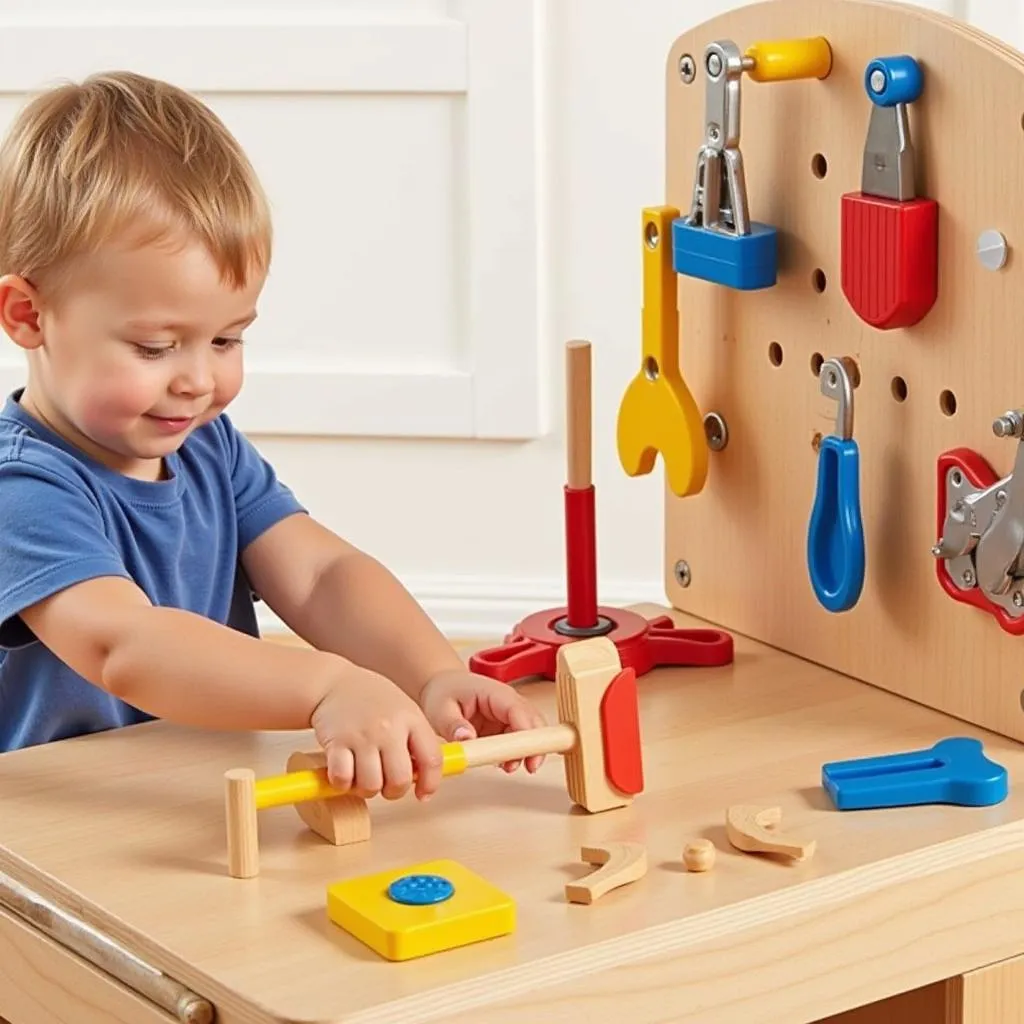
(816, 441)
(898, 387)
(947, 402)
(818, 280)
(852, 371)
(775, 354)
(819, 165)
(816, 360)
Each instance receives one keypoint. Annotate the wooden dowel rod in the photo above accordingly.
(578, 414)
(240, 810)
(514, 746)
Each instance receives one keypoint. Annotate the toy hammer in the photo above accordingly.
(598, 734)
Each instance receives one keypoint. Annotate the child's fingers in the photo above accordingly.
(396, 763)
(425, 748)
(341, 767)
(369, 779)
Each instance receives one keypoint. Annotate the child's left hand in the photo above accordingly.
(461, 705)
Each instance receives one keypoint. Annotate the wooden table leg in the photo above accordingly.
(989, 995)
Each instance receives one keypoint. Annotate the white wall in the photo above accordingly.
(494, 226)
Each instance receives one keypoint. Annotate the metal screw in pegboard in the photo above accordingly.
(682, 570)
(991, 249)
(716, 430)
(687, 68)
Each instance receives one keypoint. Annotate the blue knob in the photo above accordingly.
(420, 890)
(835, 535)
(892, 80)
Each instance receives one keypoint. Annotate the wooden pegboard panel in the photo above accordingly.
(744, 535)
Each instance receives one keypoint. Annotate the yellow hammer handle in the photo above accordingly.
(312, 784)
(783, 60)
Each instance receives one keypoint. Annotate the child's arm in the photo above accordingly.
(182, 667)
(340, 599)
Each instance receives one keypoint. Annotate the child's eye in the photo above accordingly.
(151, 351)
(226, 343)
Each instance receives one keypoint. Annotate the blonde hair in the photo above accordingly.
(120, 152)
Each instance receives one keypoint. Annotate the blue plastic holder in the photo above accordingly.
(835, 534)
(954, 771)
(745, 262)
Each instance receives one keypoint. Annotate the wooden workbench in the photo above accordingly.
(127, 831)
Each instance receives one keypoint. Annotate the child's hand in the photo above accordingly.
(460, 705)
(372, 733)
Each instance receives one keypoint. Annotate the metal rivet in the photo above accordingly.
(877, 80)
(967, 577)
(1018, 599)
(956, 478)
(716, 430)
(682, 570)
(714, 65)
(991, 249)
(687, 68)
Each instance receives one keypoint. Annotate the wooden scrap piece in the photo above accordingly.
(753, 830)
(619, 864)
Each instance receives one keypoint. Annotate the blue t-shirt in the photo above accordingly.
(65, 518)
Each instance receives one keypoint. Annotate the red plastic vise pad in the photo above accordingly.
(889, 259)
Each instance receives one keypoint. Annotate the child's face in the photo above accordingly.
(141, 350)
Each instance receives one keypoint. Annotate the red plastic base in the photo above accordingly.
(981, 475)
(531, 649)
(889, 258)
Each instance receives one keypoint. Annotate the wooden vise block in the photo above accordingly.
(598, 734)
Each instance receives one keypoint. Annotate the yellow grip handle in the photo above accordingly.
(783, 60)
(311, 783)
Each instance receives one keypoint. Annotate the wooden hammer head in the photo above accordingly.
(599, 699)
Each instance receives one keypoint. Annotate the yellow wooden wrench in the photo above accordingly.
(657, 412)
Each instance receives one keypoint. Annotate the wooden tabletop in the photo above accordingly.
(127, 829)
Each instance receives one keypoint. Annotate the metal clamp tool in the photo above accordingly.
(981, 547)
(719, 187)
(835, 533)
(718, 241)
(889, 235)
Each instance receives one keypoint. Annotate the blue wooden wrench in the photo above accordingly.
(954, 771)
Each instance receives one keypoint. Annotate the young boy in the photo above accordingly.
(136, 522)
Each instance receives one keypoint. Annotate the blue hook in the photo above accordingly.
(835, 535)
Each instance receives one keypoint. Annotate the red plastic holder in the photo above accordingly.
(889, 258)
(981, 476)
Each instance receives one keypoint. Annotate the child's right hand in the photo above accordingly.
(375, 737)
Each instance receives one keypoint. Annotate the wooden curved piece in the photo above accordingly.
(620, 864)
(752, 830)
(340, 820)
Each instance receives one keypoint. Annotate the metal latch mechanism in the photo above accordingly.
(981, 547)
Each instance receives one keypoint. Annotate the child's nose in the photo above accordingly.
(194, 378)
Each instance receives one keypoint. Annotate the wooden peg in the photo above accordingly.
(752, 830)
(619, 864)
(242, 828)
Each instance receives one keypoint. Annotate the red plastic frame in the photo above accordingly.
(981, 475)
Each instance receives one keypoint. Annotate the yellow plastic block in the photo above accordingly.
(474, 912)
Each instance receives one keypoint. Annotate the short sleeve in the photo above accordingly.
(261, 499)
(52, 537)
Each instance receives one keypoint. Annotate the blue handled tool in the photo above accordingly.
(835, 534)
(954, 771)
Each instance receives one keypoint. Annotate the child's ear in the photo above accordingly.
(19, 311)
